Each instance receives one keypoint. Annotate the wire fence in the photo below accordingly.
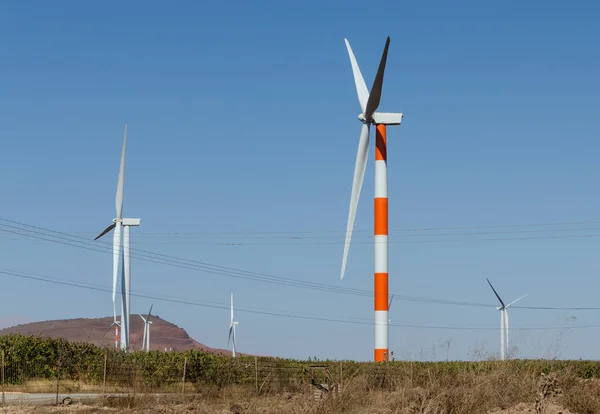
(38, 371)
(54, 379)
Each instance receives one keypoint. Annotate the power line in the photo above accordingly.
(158, 258)
(167, 298)
(406, 242)
(104, 247)
(273, 312)
(295, 244)
(406, 229)
(292, 241)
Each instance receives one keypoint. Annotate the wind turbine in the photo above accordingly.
(369, 102)
(146, 338)
(116, 324)
(232, 324)
(503, 321)
(126, 223)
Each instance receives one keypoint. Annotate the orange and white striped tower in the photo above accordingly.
(381, 246)
(369, 102)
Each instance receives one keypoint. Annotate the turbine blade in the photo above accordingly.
(516, 300)
(144, 319)
(232, 308)
(120, 183)
(361, 87)
(111, 325)
(390, 304)
(359, 175)
(150, 311)
(375, 95)
(106, 230)
(495, 293)
(230, 331)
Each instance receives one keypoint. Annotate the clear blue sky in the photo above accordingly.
(242, 119)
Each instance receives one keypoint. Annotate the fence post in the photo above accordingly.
(3, 398)
(57, 380)
(183, 379)
(256, 372)
(104, 374)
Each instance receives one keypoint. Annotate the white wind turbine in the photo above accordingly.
(117, 325)
(126, 223)
(146, 338)
(503, 321)
(232, 324)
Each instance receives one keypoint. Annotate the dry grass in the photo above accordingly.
(69, 386)
(47, 386)
(499, 390)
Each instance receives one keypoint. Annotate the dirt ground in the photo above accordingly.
(270, 406)
(523, 408)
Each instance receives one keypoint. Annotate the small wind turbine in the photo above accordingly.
(232, 324)
(503, 321)
(116, 324)
(147, 322)
(126, 223)
(369, 102)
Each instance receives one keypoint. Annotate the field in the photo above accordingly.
(194, 381)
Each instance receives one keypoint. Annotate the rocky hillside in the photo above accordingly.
(163, 334)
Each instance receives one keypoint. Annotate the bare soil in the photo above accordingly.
(523, 408)
(274, 405)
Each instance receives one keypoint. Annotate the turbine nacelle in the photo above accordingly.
(130, 221)
(382, 118)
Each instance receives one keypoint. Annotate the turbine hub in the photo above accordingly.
(361, 118)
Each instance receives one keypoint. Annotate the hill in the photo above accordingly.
(164, 335)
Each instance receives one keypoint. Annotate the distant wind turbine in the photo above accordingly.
(232, 324)
(503, 321)
(126, 223)
(146, 338)
(116, 324)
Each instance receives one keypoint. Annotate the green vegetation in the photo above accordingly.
(28, 358)
(35, 364)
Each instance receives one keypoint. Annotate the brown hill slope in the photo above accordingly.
(163, 334)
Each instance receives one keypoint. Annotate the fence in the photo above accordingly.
(37, 370)
(39, 378)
